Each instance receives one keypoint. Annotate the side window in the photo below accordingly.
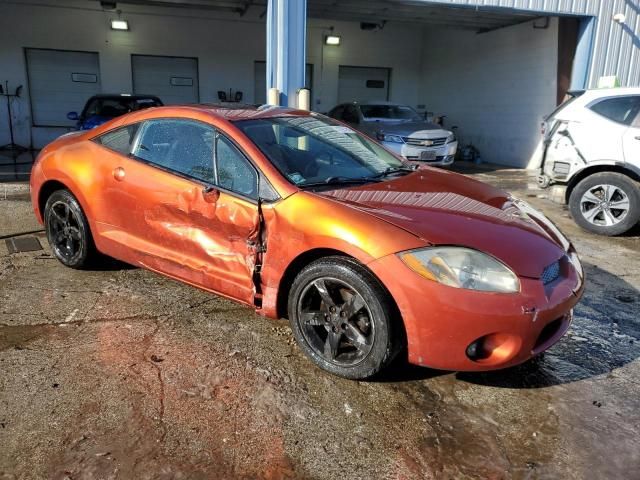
(183, 146)
(119, 140)
(235, 173)
(620, 109)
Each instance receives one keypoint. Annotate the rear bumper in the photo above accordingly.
(442, 322)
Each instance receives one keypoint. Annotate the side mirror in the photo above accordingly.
(210, 194)
(73, 116)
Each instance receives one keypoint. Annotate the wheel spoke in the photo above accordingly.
(74, 233)
(313, 318)
(354, 335)
(620, 204)
(353, 306)
(67, 212)
(590, 215)
(321, 286)
(609, 219)
(590, 197)
(331, 345)
(57, 217)
(69, 244)
(59, 238)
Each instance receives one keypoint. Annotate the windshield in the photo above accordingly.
(114, 107)
(389, 112)
(316, 150)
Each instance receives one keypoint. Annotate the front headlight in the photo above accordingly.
(461, 267)
(451, 138)
(383, 137)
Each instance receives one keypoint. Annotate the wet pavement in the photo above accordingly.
(121, 373)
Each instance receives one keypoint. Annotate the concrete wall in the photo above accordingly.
(398, 47)
(495, 86)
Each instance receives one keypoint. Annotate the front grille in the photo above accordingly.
(551, 273)
(419, 142)
(437, 159)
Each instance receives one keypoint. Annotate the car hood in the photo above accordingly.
(415, 129)
(445, 208)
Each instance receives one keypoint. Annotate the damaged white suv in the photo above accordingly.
(592, 158)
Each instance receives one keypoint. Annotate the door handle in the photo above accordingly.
(210, 194)
(119, 173)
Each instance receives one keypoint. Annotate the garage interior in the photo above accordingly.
(493, 74)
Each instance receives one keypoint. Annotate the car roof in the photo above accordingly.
(238, 112)
(612, 92)
(224, 113)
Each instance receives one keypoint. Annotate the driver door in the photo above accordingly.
(190, 218)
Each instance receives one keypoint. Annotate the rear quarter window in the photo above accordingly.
(119, 140)
(621, 110)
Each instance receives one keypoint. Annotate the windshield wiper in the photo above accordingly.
(393, 170)
(340, 181)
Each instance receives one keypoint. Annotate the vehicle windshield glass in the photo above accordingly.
(114, 107)
(316, 150)
(389, 112)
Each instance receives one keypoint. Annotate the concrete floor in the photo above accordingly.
(121, 373)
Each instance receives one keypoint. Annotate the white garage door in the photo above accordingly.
(260, 92)
(361, 84)
(173, 79)
(60, 82)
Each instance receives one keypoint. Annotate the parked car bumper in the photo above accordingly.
(442, 323)
(442, 155)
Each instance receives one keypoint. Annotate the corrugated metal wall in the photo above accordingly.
(616, 48)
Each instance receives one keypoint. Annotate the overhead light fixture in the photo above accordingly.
(119, 25)
(332, 40)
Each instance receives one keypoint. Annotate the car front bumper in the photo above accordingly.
(442, 155)
(442, 322)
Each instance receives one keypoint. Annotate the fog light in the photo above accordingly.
(476, 350)
(494, 349)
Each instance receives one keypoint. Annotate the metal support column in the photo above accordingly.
(584, 53)
(286, 48)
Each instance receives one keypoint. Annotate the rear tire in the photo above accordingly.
(606, 203)
(343, 319)
(68, 230)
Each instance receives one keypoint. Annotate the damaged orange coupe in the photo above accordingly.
(299, 216)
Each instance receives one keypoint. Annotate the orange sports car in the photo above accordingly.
(299, 216)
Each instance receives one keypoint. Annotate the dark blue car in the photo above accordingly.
(102, 108)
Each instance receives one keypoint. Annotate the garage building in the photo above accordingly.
(493, 68)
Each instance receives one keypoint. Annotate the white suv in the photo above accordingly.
(592, 158)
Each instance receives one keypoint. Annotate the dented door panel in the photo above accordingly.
(174, 230)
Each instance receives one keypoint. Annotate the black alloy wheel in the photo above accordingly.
(343, 319)
(68, 230)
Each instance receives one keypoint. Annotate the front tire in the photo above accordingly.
(606, 203)
(68, 230)
(343, 319)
